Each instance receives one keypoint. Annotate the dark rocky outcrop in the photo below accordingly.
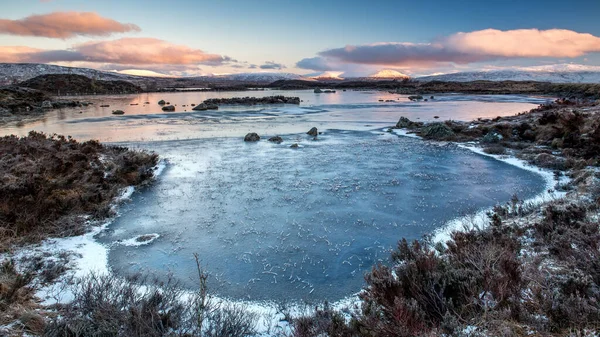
(252, 137)
(118, 112)
(313, 132)
(162, 102)
(276, 139)
(62, 84)
(318, 91)
(252, 100)
(405, 123)
(168, 108)
(436, 131)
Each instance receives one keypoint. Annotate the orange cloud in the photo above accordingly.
(65, 25)
(525, 43)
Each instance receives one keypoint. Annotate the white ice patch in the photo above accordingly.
(405, 133)
(139, 240)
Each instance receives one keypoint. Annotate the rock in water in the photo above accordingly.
(318, 91)
(276, 139)
(295, 146)
(46, 105)
(118, 112)
(168, 108)
(436, 131)
(313, 132)
(252, 137)
(162, 102)
(405, 123)
(200, 107)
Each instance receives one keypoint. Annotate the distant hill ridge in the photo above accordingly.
(12, 73)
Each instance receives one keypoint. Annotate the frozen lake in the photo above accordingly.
(274, 223)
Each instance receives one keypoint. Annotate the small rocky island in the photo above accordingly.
(253, 100)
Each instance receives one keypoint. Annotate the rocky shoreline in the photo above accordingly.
(19, 103)
(561, 135)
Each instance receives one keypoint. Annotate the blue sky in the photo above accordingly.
(287, 31)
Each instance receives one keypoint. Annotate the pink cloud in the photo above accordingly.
(144, 51)
(65, 25)
(128, 51)
(14, 54)
(461, 48)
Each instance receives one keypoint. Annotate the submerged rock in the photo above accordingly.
(252, 137)
(313, 132)
(168, 108)
(276, 139)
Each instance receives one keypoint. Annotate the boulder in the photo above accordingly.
(313, 132)
(317, 91)
(162, 102)
(276, 139)
(405, 123)
(118, 112)
(168, 108)
(436, 131)
(415, 97)
(252, 137)
(46, 105)
(200, 107)
(295, 146)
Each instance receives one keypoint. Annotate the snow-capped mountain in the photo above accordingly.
(18, 72)
(387, 74)
(328, 76)
(558, 73)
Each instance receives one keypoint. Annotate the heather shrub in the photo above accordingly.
(49, 182)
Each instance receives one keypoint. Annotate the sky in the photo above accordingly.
(356, 38)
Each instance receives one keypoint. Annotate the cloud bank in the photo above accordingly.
(65, 25)
(131, 51)
(460, 48)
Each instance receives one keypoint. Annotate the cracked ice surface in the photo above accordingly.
(273, 223)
